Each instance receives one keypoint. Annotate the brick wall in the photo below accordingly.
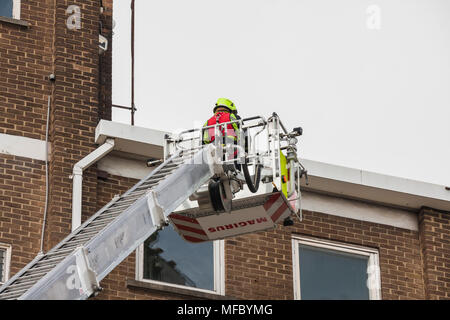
(26, 60)
(27, 57)
(22, 198)
(260, 261)
(435, 249)
(74, 112)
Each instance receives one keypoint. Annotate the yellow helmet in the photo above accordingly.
(226, 103)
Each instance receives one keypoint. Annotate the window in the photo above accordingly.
(325, 270)
(10, 8)
(5, 258)
(166, 258)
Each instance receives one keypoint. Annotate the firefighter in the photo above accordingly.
(224, 111)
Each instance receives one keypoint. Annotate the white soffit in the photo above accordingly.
(133, 140)
(124, 167)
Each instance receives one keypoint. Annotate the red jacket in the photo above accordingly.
(232, 130)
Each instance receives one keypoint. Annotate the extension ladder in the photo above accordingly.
(74, 268)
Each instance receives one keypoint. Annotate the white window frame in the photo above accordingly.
(373, 268)
(15, 14)
(16, 9)
(219, 270)
(7, 265)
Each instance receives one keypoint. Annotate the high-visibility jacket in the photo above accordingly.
(232, 129)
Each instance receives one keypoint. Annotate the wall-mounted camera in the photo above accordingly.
(102, 44)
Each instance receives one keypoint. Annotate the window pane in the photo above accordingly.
(6, 8)
(330, 275)
(168, 258)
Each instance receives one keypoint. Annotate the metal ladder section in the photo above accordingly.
(74, 268)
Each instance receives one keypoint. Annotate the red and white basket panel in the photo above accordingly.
(258, 214)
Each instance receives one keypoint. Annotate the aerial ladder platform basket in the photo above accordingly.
(207, 192)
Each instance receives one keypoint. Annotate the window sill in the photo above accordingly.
(18, 22)
(180, 292)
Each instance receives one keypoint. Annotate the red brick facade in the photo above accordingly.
(435, 250)
(22, 197)
(414, 264)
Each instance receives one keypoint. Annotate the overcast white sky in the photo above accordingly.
(369, 81)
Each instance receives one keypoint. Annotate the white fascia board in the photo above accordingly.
(375, 187)
(359, 210)
(23, 147)
(131, 139)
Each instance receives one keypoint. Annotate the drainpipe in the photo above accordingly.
(77, 176)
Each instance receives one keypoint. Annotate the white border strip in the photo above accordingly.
(16, 9)
(22, 147)
(7, 264)
(359, 210)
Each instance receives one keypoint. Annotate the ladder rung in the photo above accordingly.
(129, 198)
(45, 261)
(126, 199)
(75, 243)
(119, 206)
(34, 269)
(178, 161)
(93, 228)
(137, 193)
(109, 214)
(167, 170)
(58, 253)
(154, 180)
(33, 276)
(14, 294)
(147, 186)
(79, 238)
(25, 285)
(158, 175)
(91, 233)
(101, 221)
